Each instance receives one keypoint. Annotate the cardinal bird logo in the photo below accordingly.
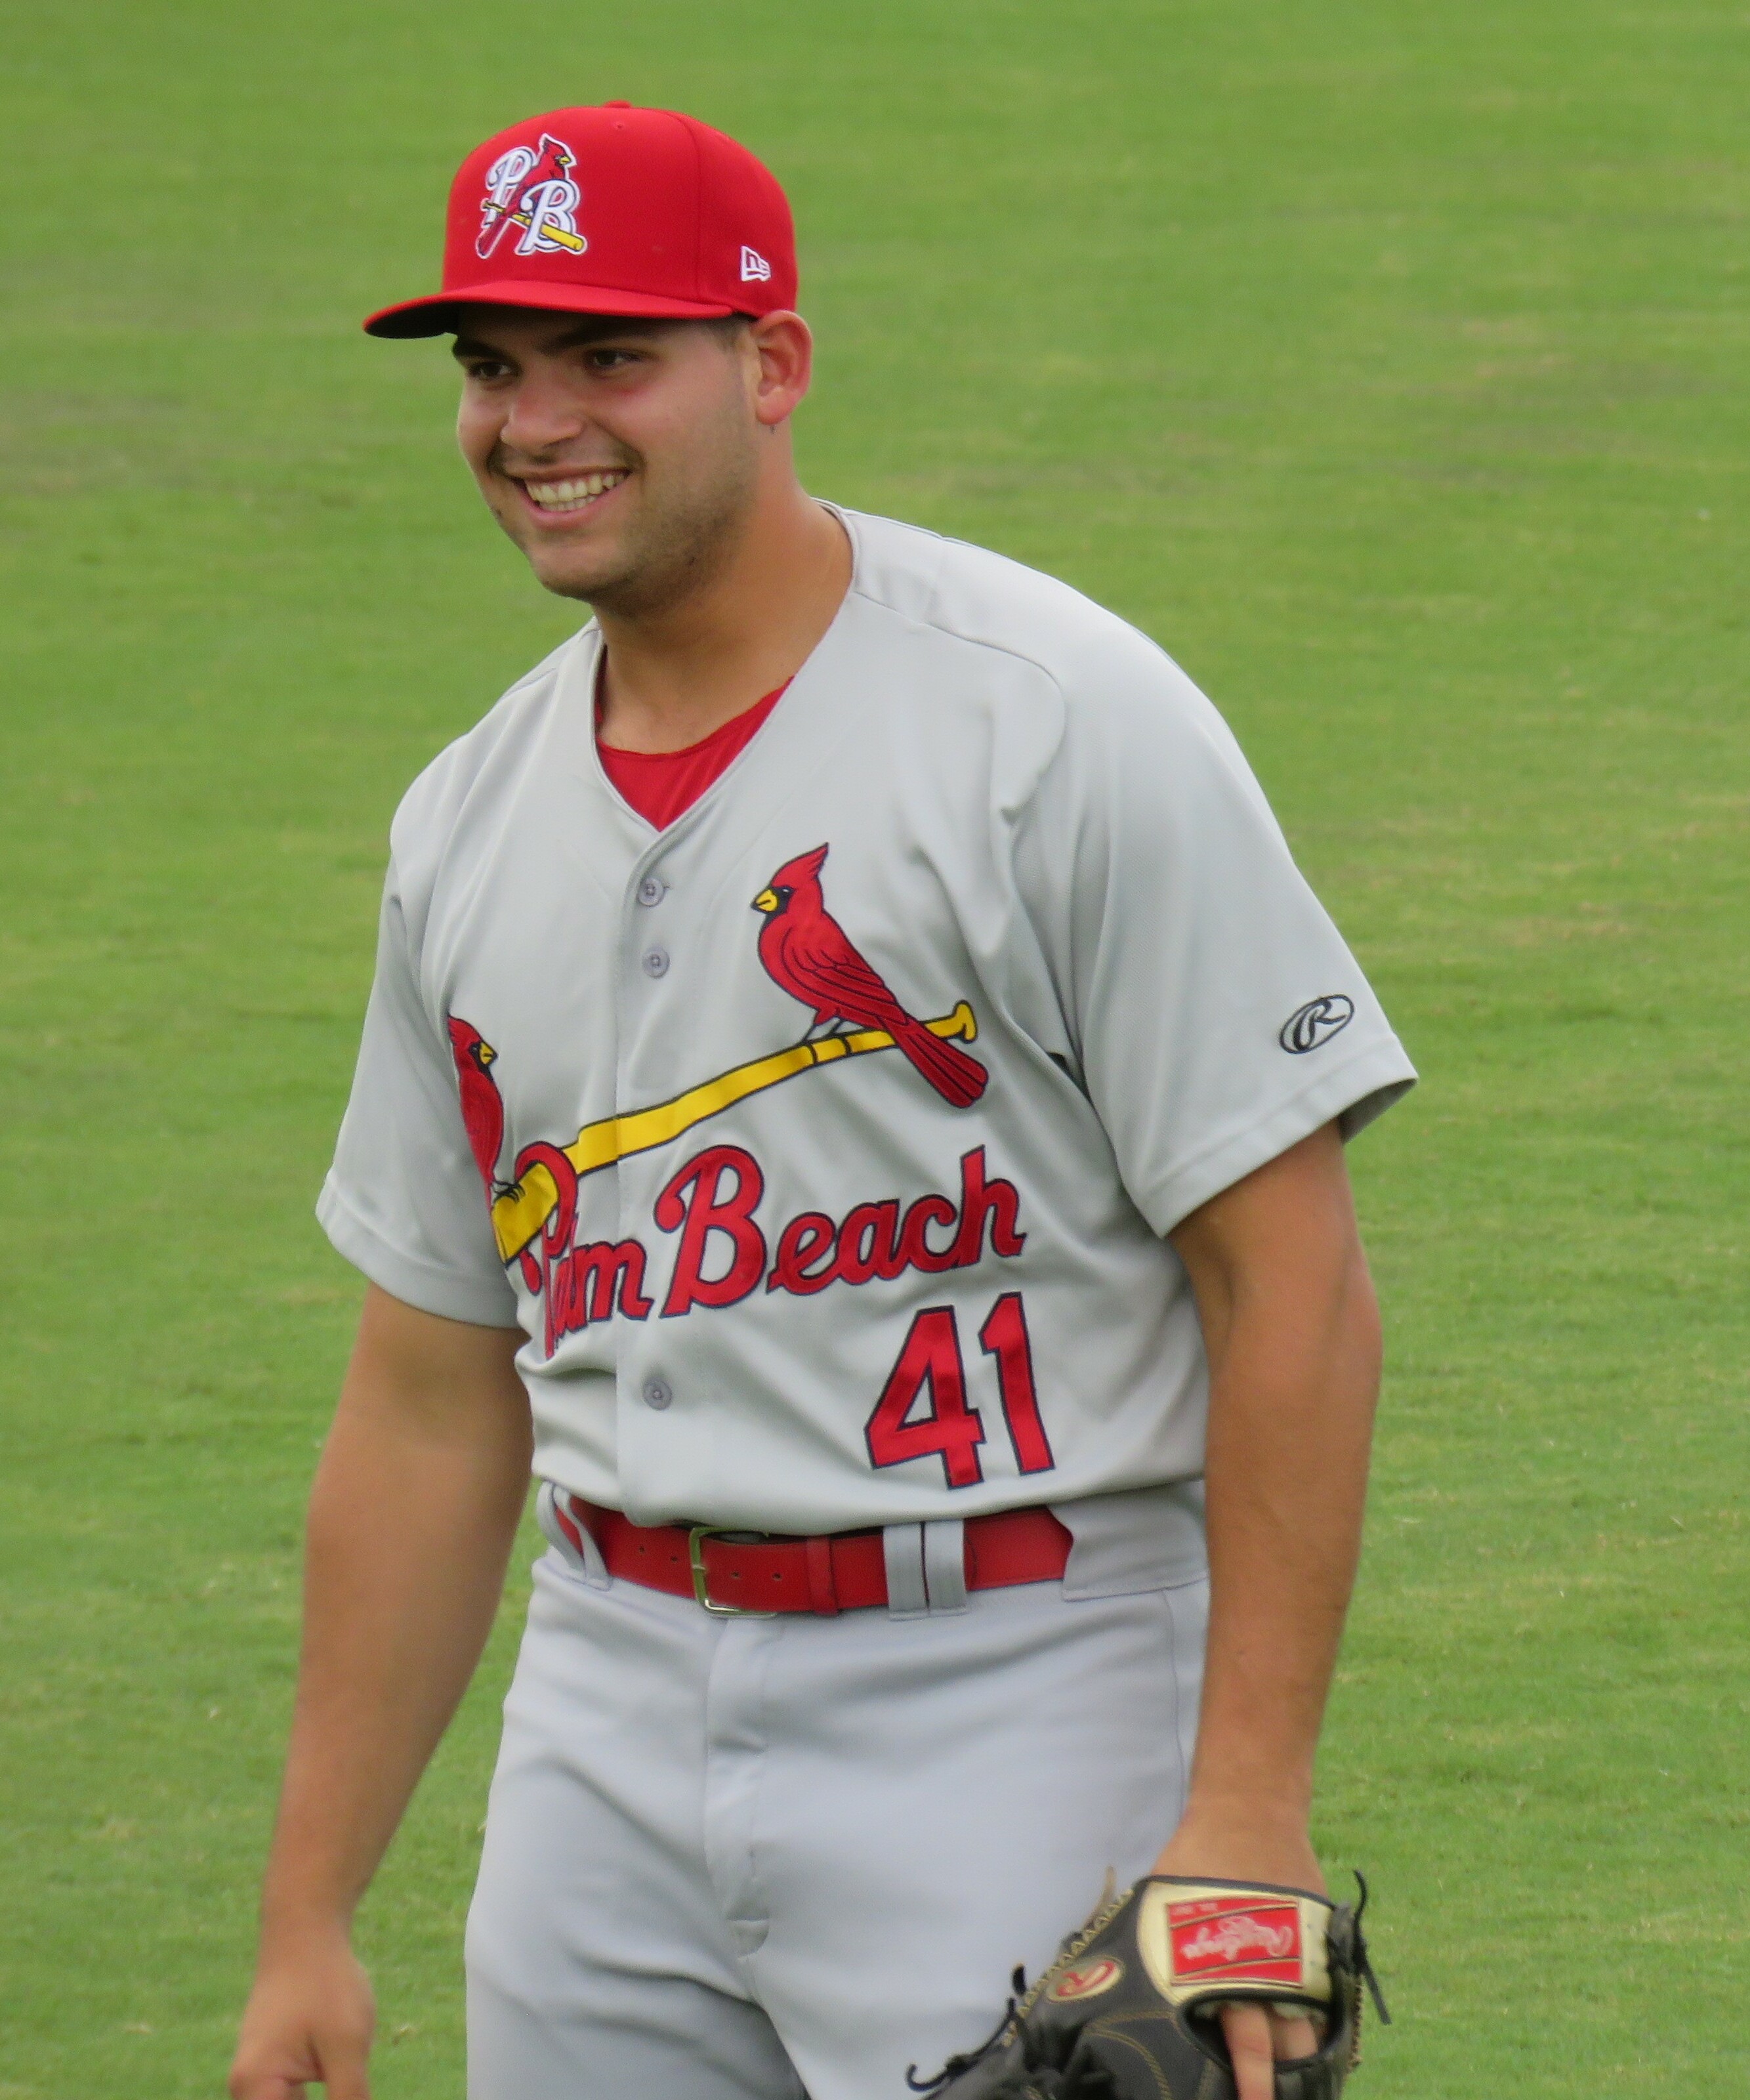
(483, 1107)
(483, 1119)
(808, 952)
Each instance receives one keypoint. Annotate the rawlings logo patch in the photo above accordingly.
(1087, 1981)
(1200, 1940)
(1234, 1942)
(1315, 1022)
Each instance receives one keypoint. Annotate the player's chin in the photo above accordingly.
(574, 571)
(567, 554)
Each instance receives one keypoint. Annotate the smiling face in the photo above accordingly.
(622, 456)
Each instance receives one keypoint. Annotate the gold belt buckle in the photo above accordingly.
(695, 1553)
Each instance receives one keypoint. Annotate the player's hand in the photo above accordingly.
(1258, 2036)
(309, 2022)
(1240, 1843)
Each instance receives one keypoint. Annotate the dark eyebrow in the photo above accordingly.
(593, 327)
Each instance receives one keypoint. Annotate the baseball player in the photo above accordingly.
(852, 1096)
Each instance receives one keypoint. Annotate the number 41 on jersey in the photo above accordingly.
(932, 1366)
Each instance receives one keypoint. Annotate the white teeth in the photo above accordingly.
(574, 494)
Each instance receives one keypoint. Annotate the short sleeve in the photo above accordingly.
(404, 1200)
(1218, 1017)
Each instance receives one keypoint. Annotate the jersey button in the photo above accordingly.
(652, 890)
(658, 1392)
(656, 962)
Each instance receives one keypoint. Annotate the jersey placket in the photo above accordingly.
(646, 1381)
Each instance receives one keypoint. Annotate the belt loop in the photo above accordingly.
(902, 1550)
(565, 1530)
(822, 1593)
(945, 1564)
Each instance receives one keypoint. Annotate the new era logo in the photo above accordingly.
(755, 269)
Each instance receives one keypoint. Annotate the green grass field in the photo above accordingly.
(1388, 362)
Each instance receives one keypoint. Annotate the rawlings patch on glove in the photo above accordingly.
(1129, 2010)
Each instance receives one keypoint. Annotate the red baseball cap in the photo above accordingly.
(612, 210)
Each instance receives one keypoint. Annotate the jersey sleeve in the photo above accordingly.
(404, 1200)
(1217, 1016)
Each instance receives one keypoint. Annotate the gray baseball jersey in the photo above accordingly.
(823, 1144)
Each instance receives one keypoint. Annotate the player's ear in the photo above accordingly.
(784, 347)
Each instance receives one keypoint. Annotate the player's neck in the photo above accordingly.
(672, 676)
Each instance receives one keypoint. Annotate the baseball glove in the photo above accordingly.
(1130, 2008)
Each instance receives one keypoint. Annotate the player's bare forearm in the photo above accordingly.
(1293, 1333)
(414, 1505)
(412, 1517)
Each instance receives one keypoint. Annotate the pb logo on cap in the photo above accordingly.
(531, 187)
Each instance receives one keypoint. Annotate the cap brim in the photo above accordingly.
(436, 316)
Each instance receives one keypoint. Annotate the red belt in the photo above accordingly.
(843, 1572)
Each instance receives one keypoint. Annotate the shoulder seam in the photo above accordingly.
(972, 641)
(996, 649)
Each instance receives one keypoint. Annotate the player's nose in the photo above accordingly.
(543, 412)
